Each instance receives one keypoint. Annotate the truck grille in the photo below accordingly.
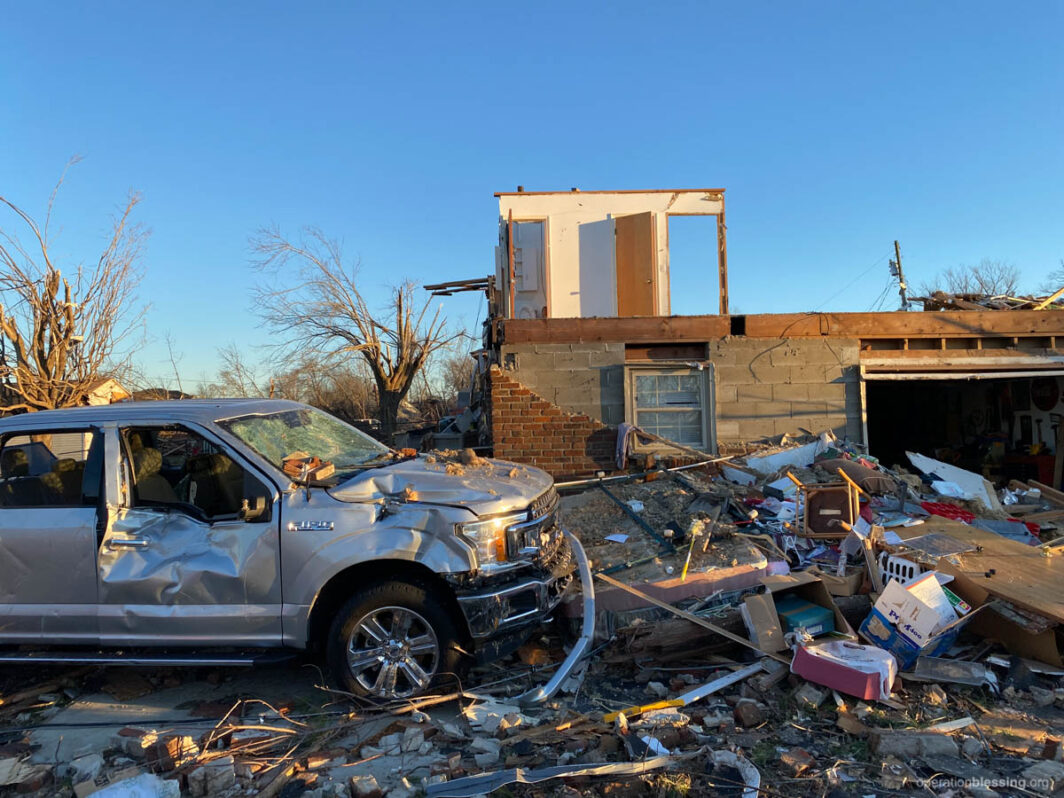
(530, 538)
(544, 504)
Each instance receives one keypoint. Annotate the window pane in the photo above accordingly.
(45, 469)
(175, 466)
(680, 426)
(646, 390)
(668, 390)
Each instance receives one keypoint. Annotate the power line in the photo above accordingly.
(851, 283)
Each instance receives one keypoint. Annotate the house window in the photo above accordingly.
(672, 403)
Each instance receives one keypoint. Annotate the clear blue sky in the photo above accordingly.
(834, 127)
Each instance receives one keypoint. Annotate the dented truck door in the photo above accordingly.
(181, 561)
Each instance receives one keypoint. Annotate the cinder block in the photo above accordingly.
(790, 393)
(763, 371)
(735, 410)
(736, 375)
(612, 376)
(771, 409)
(598, 359)
(726, 393)
(828, 394)
(550, 349)
(752, 430)
(571, 360)
(754, 393)
(808, 374)
(726, 430)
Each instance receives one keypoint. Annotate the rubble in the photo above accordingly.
(753, 662)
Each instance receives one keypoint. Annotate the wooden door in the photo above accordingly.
(636, 265)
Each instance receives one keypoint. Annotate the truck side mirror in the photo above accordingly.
(254, 509)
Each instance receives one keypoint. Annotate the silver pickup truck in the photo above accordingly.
(133, 531)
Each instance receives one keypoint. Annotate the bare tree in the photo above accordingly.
(456, 374)
(1054, 280)
(63, 330)
(988, 278)
(323, 311)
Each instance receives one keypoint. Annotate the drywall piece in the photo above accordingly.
(972, 484)
(796, 457)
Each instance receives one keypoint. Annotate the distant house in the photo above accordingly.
(106, 391)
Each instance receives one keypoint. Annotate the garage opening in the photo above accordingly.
(1004, 427)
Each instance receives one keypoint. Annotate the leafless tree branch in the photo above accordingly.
(315, 306)
(62, 331)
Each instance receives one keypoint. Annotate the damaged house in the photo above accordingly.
(582, 339)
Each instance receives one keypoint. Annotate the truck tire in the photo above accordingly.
(392, 641)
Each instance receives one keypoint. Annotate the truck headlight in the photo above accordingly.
(489, 538)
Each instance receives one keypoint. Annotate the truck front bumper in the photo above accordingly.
(495, 613)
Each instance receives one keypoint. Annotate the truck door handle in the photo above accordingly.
(127, 543)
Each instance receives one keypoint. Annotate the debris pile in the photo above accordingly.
(799, 621)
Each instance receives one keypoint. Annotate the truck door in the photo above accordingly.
(50, 487)
(189, 555)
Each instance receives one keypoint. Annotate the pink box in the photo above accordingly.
(861, 671)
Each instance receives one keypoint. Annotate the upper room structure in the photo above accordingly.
(580, 254)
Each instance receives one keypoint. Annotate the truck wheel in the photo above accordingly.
(391, 641)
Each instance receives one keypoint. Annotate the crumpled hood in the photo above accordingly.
(489, 487)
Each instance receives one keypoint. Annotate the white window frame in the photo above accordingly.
(707, 404)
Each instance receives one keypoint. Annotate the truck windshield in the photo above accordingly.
(275, 436)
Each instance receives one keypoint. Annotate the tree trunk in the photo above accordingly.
(389, 413)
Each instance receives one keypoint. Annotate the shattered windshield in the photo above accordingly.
(276, 436)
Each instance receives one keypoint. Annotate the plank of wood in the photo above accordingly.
(646, 329)
(689, 617)
(949, 324)
(964, 325)
(1023, 509)
(1058, 460)
(1048, 515)
(1051, 495)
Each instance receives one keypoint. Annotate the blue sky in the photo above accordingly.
(834, 127)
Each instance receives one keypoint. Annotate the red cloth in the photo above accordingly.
(949, 511)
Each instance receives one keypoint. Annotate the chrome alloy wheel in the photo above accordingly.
(393, 652)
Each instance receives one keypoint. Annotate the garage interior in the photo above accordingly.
(1003, 426)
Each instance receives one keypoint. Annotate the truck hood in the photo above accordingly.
(489, 487)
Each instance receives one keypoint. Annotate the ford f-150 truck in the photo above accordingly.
(150, 528)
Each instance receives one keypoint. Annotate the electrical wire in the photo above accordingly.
(851, 283)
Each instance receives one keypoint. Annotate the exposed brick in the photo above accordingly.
(528, 428)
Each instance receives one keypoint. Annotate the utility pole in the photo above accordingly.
(895, 271)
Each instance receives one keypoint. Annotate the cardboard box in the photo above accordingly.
(866, 672)
(762, 617)
(909, 623)
(846, 585)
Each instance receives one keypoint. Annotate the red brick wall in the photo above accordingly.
(526, 428)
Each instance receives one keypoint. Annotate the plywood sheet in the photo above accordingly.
(1003, 568)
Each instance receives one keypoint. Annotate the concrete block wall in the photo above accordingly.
(526, 428)
(768, 386)
(581, 378)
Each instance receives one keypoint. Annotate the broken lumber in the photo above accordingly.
(689, 617)
(1052, 495)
